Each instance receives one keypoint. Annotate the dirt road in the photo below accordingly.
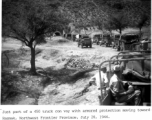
(62, 56)
(79, 58)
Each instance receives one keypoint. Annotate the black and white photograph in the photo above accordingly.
(76, 52)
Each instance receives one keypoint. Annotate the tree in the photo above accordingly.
(125, 13)
(82, 13)
(138, 13)
(142, 22)
(118, 22)
(28, 21)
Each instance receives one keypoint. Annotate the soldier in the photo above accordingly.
(118, 90)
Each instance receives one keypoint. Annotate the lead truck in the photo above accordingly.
(85, 41)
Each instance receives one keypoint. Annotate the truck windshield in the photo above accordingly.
(129, 37)
(97, 36)
(117, 36)
(85, 37)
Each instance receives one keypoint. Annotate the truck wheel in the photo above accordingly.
(91, 46)
(122, 49)
(118, 48)
(81, 45)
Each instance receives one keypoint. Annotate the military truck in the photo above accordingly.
(106, 40)
(127, 40)
(85, 40)
(96, 37)
(138, 62)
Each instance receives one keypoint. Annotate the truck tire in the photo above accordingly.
(81, 45)
(106, 45)
(91, 46)
(118, 48)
